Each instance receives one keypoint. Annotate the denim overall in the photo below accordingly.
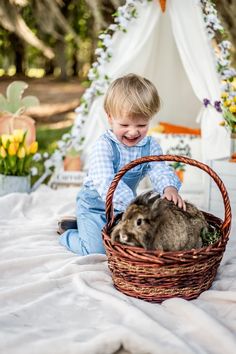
(90, 209)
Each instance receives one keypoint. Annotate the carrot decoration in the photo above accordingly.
(163, 5)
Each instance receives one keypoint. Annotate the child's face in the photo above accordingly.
(129, 131)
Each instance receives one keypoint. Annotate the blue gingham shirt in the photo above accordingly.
(101, 169)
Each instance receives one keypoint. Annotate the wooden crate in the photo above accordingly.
(67, 179)
(214, 202)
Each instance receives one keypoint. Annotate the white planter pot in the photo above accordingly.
(233, 144)
(11, 184)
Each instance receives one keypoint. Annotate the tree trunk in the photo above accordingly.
(75, 64)
(49, 67)
(60, 49)
(19, 51)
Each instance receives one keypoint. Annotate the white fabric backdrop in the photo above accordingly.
(55, 302)
(149, 49)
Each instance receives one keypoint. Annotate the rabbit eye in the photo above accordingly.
(139, 221)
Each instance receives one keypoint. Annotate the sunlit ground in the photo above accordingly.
(30, 72)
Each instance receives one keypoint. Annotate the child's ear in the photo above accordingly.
(109, 117)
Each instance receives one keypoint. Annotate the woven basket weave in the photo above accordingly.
(157, 275)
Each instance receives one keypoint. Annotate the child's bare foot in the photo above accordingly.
(66, 223)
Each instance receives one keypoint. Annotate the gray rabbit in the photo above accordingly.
(156, 223)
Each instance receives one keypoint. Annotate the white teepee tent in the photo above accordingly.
(173, 51)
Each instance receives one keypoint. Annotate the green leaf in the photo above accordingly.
(14, 94)
(20, 165)
(229, 116)
(30, 101)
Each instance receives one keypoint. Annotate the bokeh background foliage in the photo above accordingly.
(58, 37)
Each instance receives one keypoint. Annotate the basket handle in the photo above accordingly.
(109, 207)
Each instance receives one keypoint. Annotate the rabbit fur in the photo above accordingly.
(156, 223)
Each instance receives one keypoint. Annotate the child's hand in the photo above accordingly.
(171, 193)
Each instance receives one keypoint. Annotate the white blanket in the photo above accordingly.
(53, 301)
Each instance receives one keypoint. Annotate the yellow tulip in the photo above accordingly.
(3, 152)
(227, 103)
(12, 149)
(6, 138)
(33, 148)
(21, 152)
(234, 98)
(18, 135)
(232, 109)
(222, 123)
(224, 94)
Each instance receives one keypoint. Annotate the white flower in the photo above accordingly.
(225, 44)
(225, 87)
(103, 54)
(37, 157)
(101, 61)
(34, 171)
(99, 51)
(66, 136)
(211, 18)
(79, 121)
(61, 144)
(56, 156)
(223, 62)
(95, 64)
(107, 40)
(122, 21)
(228, 73)
(113, 27)
(101, 70)
(88, 95)
(76, 130)
(92, 75)
(218, 26)
(80, 109)
(45, 155)
(100, 86)
(48, 164)
(210, 33)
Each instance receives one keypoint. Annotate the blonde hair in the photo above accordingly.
(132, 95)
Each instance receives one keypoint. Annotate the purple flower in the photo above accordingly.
(206, 102)
(217, 106)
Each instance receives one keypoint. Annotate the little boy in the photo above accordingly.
(130, 103)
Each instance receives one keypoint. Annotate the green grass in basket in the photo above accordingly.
(210, 236)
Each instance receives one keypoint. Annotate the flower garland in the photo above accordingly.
(214, 28)
(222, 54)
(100, 80)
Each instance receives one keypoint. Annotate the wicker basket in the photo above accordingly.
(157, 275)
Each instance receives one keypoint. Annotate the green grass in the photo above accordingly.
(47, 138)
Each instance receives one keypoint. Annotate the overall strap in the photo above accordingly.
(116, 155)
(146, 148)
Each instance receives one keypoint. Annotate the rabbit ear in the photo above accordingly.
(154, 199)
(142, 199)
